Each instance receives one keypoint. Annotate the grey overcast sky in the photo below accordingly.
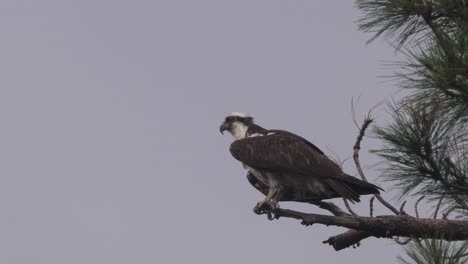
(110, 149)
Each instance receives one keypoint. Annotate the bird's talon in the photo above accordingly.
(271, 216)
(277, 216)
(258, 210)
(266, 208)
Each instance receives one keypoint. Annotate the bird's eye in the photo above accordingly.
(230, 119)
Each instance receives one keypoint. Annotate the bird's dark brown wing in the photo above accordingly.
(298, 137)
(283, 153)
(288, 154)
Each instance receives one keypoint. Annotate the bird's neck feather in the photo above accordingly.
(240, 130)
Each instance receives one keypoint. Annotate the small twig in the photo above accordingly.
(446, 214)
(336, 157)
(371, 206)
(357, 146)
(353, 109)
(402, 212)
(416, 206)
(349, 207)
(438, 206)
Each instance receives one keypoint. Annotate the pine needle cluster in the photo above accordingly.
(425, 145)
(435, 251)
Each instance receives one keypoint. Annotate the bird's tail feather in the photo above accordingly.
(350, 187)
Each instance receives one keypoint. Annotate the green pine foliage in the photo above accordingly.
(435, 251)
(426, 152)
(425, 145)
(403, 20)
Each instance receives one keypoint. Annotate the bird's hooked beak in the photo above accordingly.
(224, 126)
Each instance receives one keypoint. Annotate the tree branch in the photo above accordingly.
(386, 226)
(350, 210)
(346, 239)
(357, 146)
(352, 237)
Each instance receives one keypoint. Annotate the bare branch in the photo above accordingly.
(346, 239)
(384, 226)
(349, 207)
(446, 214)
(402, 207)
(353, 109)
(336, 157)
(357, 146)
(351, 237)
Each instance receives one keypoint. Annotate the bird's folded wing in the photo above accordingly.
(283, 153)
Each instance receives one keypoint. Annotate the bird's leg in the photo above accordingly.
(276, 197)
(270, 202)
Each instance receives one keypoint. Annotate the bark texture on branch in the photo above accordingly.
(346, 239)
(383, 226)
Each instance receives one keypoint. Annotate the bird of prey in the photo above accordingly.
(286, 167)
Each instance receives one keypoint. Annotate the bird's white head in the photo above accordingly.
(237, 124)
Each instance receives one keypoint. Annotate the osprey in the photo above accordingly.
(286, 167)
